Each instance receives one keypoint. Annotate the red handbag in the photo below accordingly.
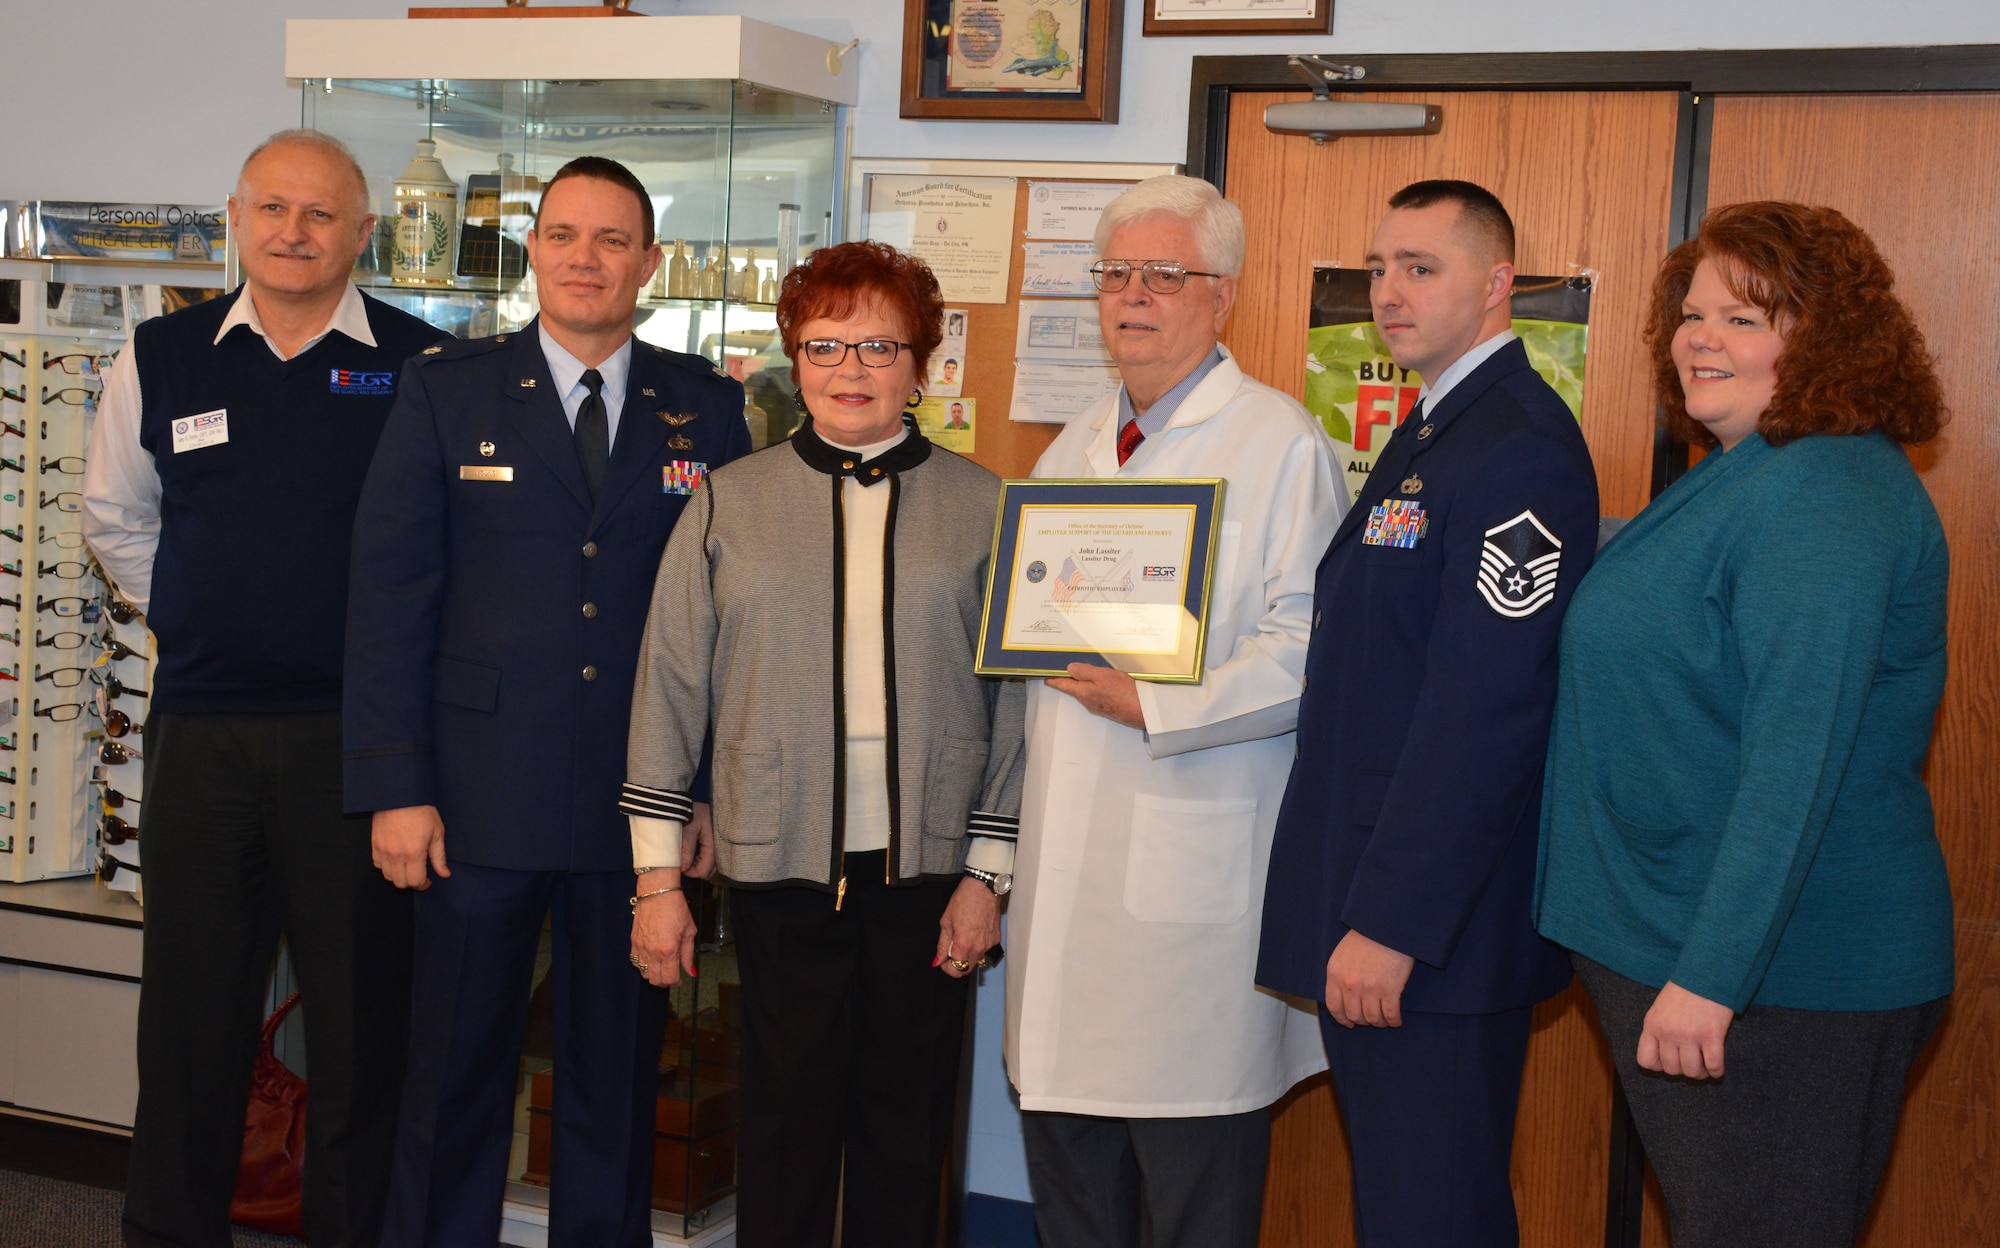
(270, 1180)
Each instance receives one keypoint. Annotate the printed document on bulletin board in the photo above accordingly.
(963, 227)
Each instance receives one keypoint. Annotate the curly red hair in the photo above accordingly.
(1853, 359)
(835, 281)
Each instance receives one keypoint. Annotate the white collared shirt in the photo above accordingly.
(567, 372)
(121, 484)
(1433, 392)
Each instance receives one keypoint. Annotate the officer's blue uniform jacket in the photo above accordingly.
(1413, 807)
(495, 611)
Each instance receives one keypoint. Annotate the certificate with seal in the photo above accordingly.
(1111, 572)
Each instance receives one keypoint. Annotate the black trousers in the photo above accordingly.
(850, 1055)
(1787, 1148)
(1157, 1182)
(243, 837)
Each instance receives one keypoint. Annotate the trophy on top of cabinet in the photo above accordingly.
(426, 220)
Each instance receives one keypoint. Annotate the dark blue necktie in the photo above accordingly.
(593, 432)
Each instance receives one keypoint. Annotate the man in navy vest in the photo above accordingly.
(224, 469)
(504, 559)
(1403, 869)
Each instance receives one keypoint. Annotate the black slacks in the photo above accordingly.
(1787, 1148)
(850, 1054)
(244, 839)
(1157, 1182)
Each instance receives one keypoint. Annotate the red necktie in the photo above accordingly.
(1129, 439)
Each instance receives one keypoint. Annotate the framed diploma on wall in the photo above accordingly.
(1012, 60)
(1237, 17)
(1116, 573)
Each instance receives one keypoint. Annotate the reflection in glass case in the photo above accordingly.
(736, 128)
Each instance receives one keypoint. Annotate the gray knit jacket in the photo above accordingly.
(745, 640)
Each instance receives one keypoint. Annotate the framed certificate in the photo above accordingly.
(1116, 573)
(1237, 17)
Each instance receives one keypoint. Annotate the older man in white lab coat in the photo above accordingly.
(1145, 1056)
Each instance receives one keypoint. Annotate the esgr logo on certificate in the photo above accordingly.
(207, 429)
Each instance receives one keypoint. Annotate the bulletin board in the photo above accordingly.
(1001, 445)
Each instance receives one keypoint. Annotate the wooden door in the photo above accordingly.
(1921, 173)
(1588, 179)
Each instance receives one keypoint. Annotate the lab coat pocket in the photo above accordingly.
(1189, 861)
(749, 791)
(957, 769)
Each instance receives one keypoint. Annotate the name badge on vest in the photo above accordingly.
(191, 433)
(682, 476)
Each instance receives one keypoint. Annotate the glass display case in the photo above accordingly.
(737, 129)
(743, 176)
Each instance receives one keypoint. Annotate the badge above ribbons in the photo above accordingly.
(1518, 566)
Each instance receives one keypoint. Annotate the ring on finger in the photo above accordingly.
(961, 965)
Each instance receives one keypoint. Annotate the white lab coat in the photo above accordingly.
(1139, 885)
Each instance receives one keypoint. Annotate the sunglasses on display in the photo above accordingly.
(116, 688)
(61, 500)
(874, 352)
(115, 650)
(118, 724)
(62, 677)
(117, 831)
(79, 364)
(1162, 277)
(115, 800)
(71, 465)
(64, 570)
(122, 612)
(75, 396)
(116, 753)
(108, 867)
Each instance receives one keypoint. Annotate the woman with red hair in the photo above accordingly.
(1737, 845)
(816, 620)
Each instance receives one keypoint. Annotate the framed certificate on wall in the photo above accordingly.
(1111, 572)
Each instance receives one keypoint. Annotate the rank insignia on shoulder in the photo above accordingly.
(433, 350)
(1399, 522)
(682, 476)
(1518, 566)
(648, 392)
(679, 443)
(677, 419)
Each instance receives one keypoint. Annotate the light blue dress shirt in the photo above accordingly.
(1160, 413)
(567, 372)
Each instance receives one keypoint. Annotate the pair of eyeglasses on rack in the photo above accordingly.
(19, 396)
(19, 431)
(68, 465)
(63, 712)
(113, 799)
(116, 753)
(79, 364)
(116, 688)
(114, 650)
(118, 724)
(64, 677)
(68, 606)
(117, 831)
(121, 611)
(68, 640)
(67, 539)
(61, 500)
(63, 569)
(108, 867)
(74, 396)
(18, 361)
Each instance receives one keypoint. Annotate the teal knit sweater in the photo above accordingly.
(1735, 799)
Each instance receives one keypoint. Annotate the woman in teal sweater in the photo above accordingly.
(1737, 846)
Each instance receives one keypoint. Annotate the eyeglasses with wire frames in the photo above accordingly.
(79, 364)
(116, 753)
(69, 465)
(63, 569)
(61, 500)
(67, 539)
(117, 831)
(85, 399)
(873, 352)
(1162, 277)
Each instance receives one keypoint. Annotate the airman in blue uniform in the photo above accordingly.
(504, 557)
(1403, 867)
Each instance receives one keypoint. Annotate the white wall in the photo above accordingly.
(117, 99)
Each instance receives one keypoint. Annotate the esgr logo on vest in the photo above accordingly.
(349, 381)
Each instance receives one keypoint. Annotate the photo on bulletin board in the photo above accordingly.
(1012, 60)
(1360, 395)
(1238, 17)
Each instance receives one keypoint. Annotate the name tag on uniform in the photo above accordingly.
(1398, 522)
(484, 472)
(191, 433)
(682, 476)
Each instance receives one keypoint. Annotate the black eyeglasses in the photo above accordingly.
(116, 688)
(14, 465)
(78, 364)
(1162, 277)
(115, 650)
(117, 752)
(109, 867)
(63, 570)
(62, 677)
(117, 831)
(874, 352)
(62, 500)
(114, 799)
(62, 712)
(117, 723)
(85, 399)
(68, 606)
(58, 641)
(122, 612)
(69, 464)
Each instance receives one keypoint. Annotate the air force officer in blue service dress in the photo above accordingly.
(1403, 868)
(504, 557)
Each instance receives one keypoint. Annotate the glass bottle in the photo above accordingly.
(426, 221)
(679, 273)
(713, 284)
